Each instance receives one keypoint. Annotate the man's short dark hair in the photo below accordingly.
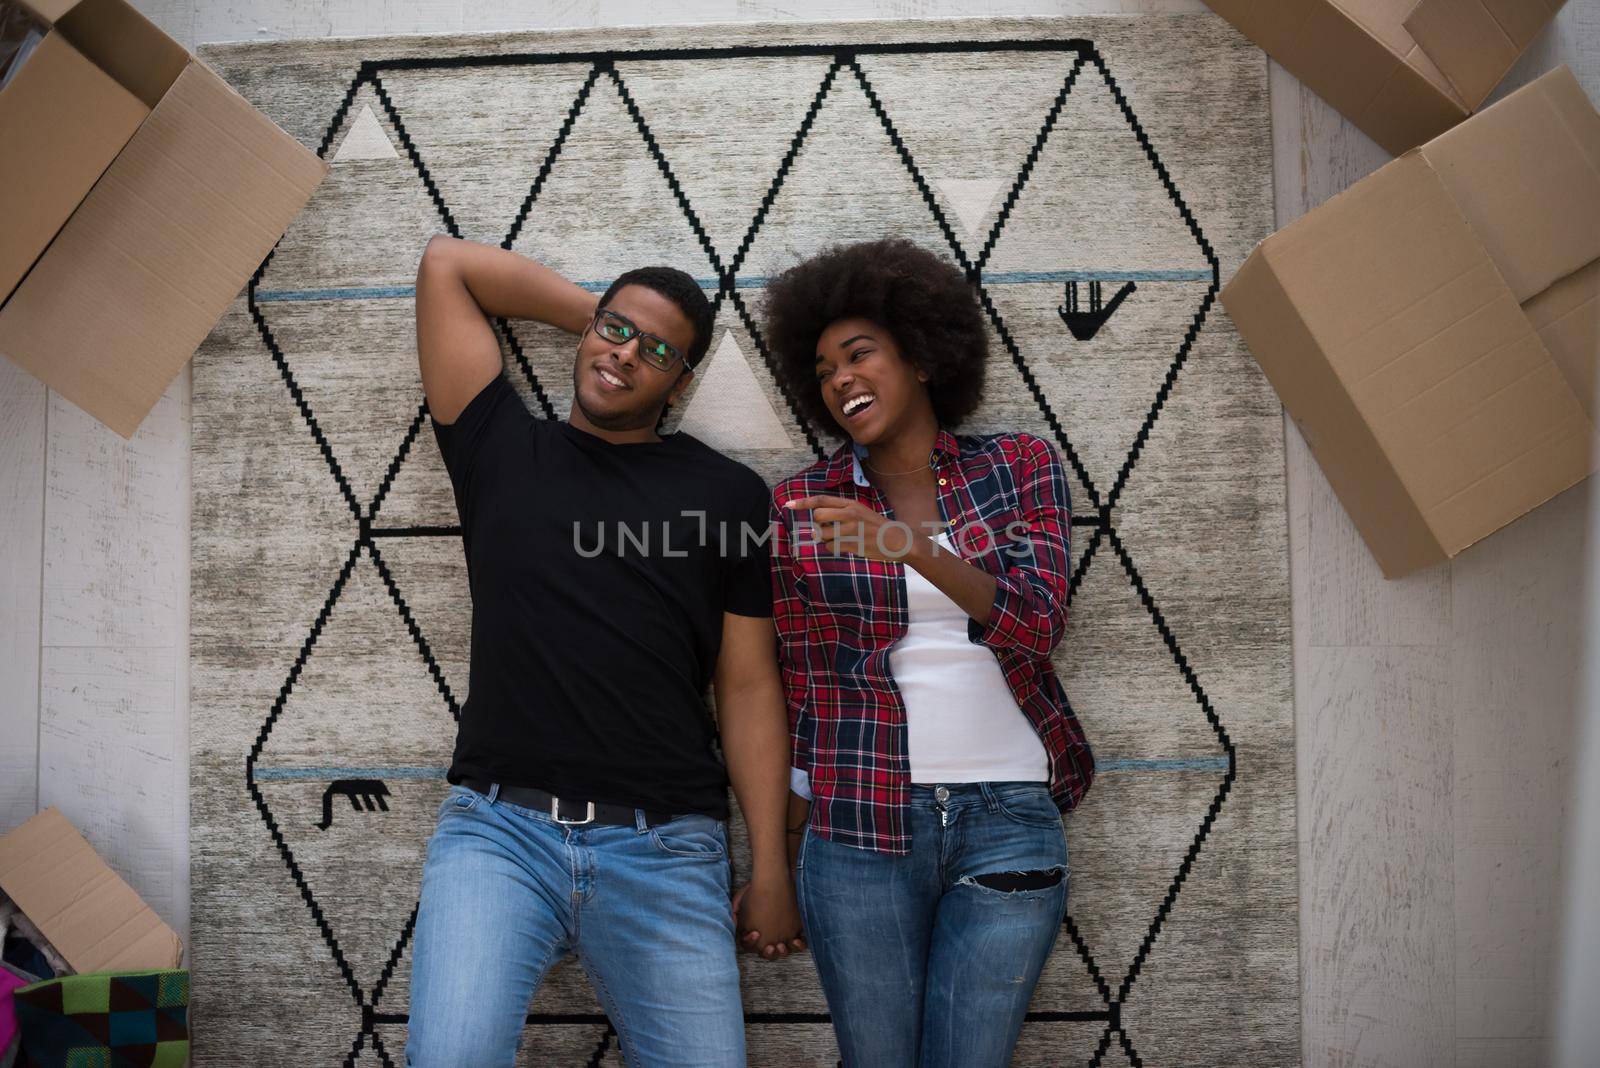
(680, 288)
(921, 298)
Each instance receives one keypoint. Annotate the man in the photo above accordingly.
(614, 575)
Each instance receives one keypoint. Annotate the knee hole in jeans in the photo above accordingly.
(1011, 882)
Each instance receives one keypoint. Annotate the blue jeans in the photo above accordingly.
(924, 961)
(506, 891)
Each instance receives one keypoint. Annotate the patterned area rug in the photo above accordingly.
(1097, 177)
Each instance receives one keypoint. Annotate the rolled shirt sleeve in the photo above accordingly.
(1029, 613)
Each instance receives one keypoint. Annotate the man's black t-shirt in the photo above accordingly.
(599, 573)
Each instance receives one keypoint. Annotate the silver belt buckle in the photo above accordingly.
(555, 812)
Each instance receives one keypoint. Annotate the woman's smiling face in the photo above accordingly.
(867, 385)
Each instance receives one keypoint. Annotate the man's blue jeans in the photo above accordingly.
(929, 960)
(506, 891)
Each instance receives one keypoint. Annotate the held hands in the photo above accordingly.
(767, 904)
(845, 526)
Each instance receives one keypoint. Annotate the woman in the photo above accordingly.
(920, 581)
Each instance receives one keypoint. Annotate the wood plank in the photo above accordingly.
(1506, 610)
(261, 20)
(110, 750)
(1516, 644)
(113, 707)
(1375, 788)
(23, 413)
(1377, 949)
(113, 559)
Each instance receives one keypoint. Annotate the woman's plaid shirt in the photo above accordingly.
(1005, 502)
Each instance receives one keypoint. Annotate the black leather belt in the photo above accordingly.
(566, 809)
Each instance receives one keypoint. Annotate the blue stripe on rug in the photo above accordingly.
(1192, 764)
(997, 278)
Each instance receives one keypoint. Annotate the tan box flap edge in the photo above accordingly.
(1398, 348)
(46, 10)
(1347, 450)
(95, 920)
(1525, 173)
(62, 122)
(1474, 42)
(1411, 312)
(1356, 72)
(158, 250)
(1567, 316)
(120, 41)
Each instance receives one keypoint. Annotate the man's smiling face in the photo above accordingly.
(612, 385)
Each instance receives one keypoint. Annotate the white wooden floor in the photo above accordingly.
(1434, 715)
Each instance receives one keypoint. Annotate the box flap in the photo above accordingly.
(1323, 45)
(1372, 74)
(1526, 174)
(1345, 448)
(47, 11)
(1567, 317)
(1429, 351)
(158, 250)
(125, 45)
(1474, 42)
(1436, 353)
(62, 122)
(96, 921)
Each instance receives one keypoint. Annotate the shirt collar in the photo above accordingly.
(846, 460)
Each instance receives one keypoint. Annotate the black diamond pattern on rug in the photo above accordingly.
(364, 471)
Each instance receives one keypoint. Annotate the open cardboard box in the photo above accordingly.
(138, 193)
(1403, 71)
(93, 919)
(1434, 330)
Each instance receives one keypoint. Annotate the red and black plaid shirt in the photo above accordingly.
(1005, 503)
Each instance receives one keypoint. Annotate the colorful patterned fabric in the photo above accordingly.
(1005, 501)
(106, 1020)
(9, 981)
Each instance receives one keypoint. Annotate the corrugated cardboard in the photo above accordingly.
(144, 249)
(1434, 330)
(93, 918)
(1402, 71)
(59, 98)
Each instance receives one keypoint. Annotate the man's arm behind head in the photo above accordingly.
(460, 284)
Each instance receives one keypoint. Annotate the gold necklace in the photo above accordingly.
(914, 470)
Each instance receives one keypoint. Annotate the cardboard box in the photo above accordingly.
(1402, 71)
(88, 913)
(138, 193)
(1434, 330)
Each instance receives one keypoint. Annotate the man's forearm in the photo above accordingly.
(509, 285)
(755, 743)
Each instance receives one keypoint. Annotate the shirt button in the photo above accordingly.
(941, 793)
(944, 482)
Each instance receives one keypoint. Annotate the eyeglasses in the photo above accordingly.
(613, 327)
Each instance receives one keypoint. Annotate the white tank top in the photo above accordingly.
(962, 723)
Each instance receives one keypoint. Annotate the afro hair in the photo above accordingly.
(920, 298)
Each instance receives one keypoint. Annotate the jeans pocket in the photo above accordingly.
(1031, 805)
(697, 836)
(459, 799)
